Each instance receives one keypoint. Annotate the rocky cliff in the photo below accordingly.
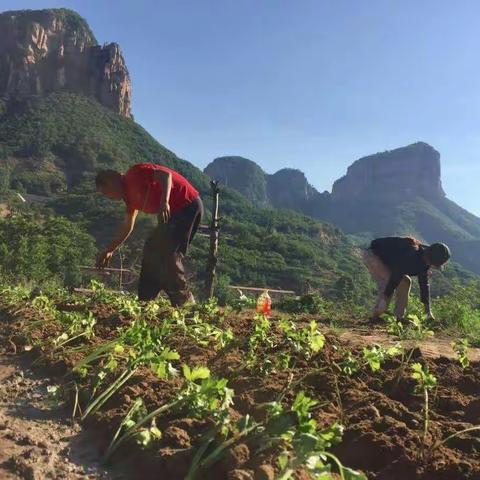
(45, 51)
(287, 188)
(397, 192)
(412, 170)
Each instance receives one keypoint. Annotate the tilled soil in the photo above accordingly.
(382, 414)
(38, 440)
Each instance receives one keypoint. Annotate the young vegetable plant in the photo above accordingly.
(137, 345)
(14, 295)
(200, 396)
(204, 332)
(143, 435)
(375, 355)
(419, 330)
(259, 337)
(425, 382)
(394, 327)
(460, 347)
(349, 365)
(304, 341)
(242, 302)
(76, 325)
(415, 329)
(302, 443)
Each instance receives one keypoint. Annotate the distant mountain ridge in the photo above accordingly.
(286, 188)
(394, 192)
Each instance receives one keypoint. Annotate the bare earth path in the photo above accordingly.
(37, 440)
(434, 347)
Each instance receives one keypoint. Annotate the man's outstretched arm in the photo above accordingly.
(122, 234)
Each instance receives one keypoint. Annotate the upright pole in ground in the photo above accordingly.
(214, 229)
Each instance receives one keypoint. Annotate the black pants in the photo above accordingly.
(162, 263)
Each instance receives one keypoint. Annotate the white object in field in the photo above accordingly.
(21, 197)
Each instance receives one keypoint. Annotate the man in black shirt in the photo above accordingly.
(393, 260)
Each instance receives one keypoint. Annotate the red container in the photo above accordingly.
(264, 303)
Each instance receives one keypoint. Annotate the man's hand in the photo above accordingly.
(104, 258)
(164, 213)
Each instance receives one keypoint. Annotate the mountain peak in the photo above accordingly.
(405, 171)
(241, 174)
(46, 51)
(70, 21)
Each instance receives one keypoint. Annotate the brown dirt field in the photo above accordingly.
(381, 413)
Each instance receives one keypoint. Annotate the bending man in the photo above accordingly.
(163, 192)
(393, 260)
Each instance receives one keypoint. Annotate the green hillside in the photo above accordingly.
(53, 146)
(242, 175)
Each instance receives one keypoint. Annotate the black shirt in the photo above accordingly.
(403, 257)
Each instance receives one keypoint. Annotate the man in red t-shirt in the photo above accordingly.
(163, 192)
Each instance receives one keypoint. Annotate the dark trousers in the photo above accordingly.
(162, 263)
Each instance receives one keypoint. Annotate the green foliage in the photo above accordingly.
(460, 347)
(308, 303)
(303, 442)
(60, 140)
(425, 382)
(242, 175)
(305, 341)
(42, 249)
(374, 356)
(459, 312)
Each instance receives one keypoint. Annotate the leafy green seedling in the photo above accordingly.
(425, 382)
(394, 327)
(374, 356)
(420, 330)
(349, 365)
(460, 347)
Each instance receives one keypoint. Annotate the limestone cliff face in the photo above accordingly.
(392, 176)
(412, 170)
(44, 51)
(289, 188)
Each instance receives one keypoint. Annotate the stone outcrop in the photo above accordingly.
(287, 188)
(44, 51)
(412, 170)
(406, 172)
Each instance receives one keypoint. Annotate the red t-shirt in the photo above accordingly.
(143, 193)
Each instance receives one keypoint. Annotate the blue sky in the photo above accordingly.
(311, 84)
